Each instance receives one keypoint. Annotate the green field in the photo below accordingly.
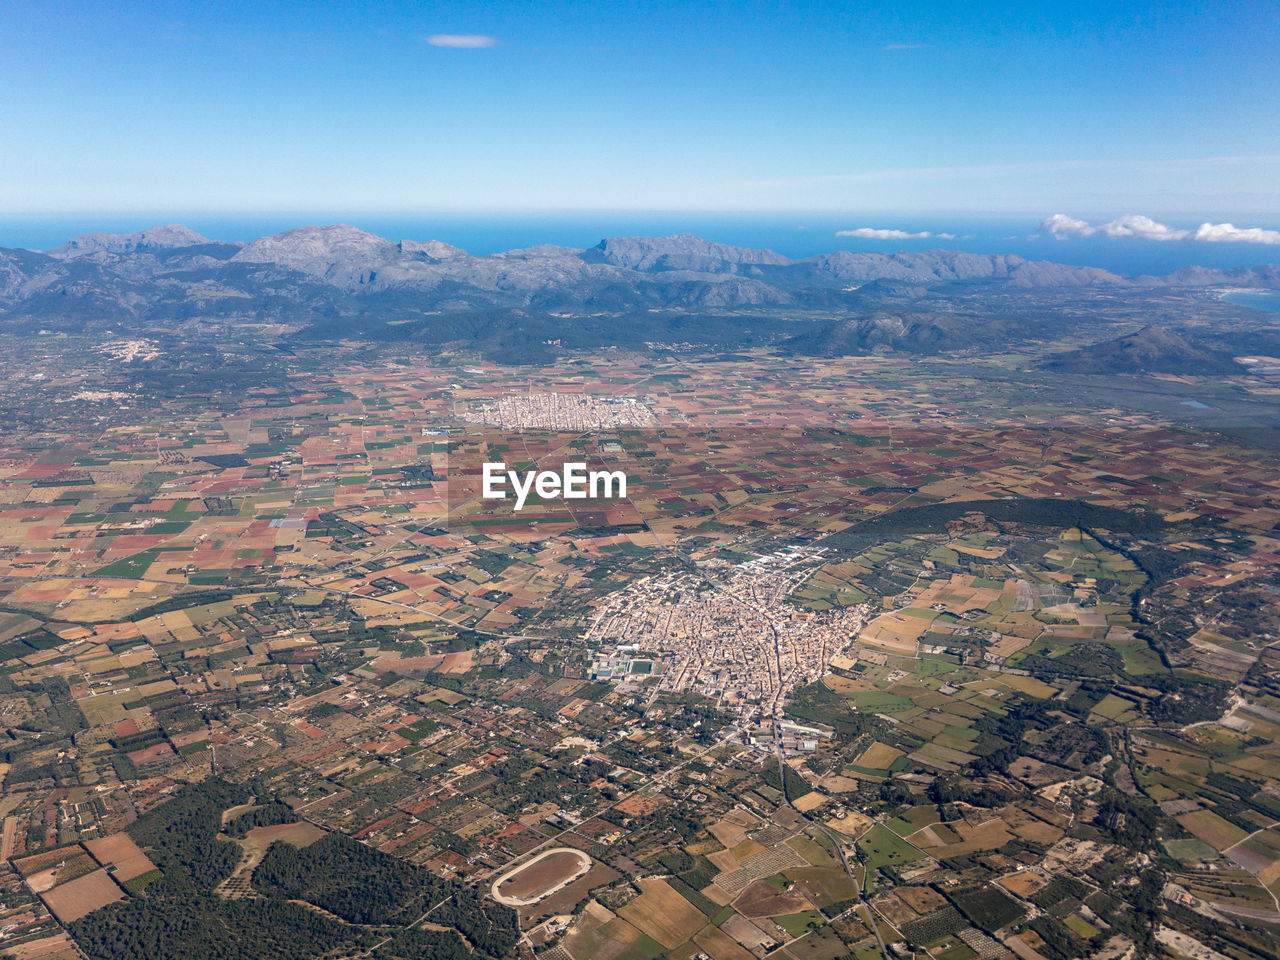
(881, 847)
(881, 701)
(797, 923)
(129, 568)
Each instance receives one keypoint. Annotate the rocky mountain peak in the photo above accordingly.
(321, 251)
(433, 251)
(683, 251)
(168, 237)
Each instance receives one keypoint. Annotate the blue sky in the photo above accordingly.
(1090, 109)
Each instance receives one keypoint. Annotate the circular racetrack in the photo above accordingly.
(539, 878)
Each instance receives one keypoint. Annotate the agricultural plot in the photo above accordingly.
(822, 886)
(961, 838)
(1116, 709)
(718, 945)
(1259, 854)
(763, 899)
(898, 632)
(662, 914)
(835, 584)
(1190, 851)
(1212, 829)
(934, 927)
(121, 855)
(797, 924)
(45, 871)
(77, 898)
(987, 907)
(880, 847)
(748, 934)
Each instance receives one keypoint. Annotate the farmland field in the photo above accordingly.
(881, 847)
(73, 900)
(663, 914)
(120, 852)
(1212, 829)
(987, 907)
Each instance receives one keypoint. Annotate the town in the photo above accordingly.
(728, 633)
(558, 411)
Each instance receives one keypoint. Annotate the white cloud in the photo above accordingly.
(1230, 233)
(1060, 225)
(873, 233)
(1135, 225)
(1129, 225)
(464, 41)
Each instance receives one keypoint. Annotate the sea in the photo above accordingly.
(800, 234)
(1267, 300)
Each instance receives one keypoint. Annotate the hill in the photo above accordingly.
(1152, 349)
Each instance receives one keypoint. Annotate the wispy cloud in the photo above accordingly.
(1135, 225)
(462, 41)
(876, 233)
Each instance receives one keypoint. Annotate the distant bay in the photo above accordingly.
(1256, 299)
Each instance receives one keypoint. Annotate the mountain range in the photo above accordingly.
(339, 280)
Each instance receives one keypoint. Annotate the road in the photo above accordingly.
(844, 860)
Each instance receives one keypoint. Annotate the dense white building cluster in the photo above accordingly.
(580, 413)
(732, 636)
